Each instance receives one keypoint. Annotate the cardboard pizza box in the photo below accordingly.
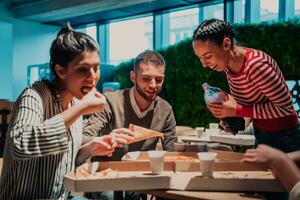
(254, 181)
(143, 155)
(222, 155)
(229, 175)
(187, 166)
(223, 180)
(225, 161)
(125, 180)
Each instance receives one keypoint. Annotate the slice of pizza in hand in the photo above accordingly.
(141, 133)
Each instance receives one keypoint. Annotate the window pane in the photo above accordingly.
(182, 24)
(90, 30)
(129, 38)
(269, 10)
(239, 11)
(214, 11)
(297, 8)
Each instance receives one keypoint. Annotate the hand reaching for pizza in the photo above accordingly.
(101, 146)
(122, 136)
(133, 134)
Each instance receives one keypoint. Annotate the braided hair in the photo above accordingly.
(213, 30)
(67, 45)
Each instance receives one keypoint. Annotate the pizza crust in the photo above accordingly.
(141, 133)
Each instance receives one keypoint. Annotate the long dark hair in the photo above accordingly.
(67, 45)
(213, 30)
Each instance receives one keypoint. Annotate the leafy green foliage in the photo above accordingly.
(185, 74)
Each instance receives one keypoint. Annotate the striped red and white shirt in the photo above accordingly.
(262, 94)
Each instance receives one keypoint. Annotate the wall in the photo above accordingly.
(6, 75)
(25, 43)
(31, 45)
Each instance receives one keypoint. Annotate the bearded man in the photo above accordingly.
(139, 105)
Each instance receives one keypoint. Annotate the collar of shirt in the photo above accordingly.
(135, 107)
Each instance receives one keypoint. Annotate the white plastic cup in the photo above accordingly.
(213, 125)
(207, 162)
(199, 131)
(212, 131)
(156, 161)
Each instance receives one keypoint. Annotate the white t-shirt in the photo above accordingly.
(295, 192)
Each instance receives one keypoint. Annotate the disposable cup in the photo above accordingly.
(156, 161)
(207, 162)
(199, 131)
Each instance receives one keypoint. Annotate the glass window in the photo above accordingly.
(269, 10)
(239, 11)
(214, 11)
(129, 38)
(297, 8)
(182, 24)
(38, 72)
(90, 30)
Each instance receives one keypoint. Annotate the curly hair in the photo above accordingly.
(214, 30)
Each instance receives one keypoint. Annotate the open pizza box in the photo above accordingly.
(234, 181)
(124, 180)
(188, 161)
(143, 156)
(229, 175)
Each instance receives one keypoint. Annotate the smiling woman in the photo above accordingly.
(257, 86)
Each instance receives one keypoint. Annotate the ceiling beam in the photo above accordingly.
(45, 11)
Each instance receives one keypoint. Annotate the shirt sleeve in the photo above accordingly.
(295, 192)
(96, 122)
(169, 132)
(276, 100)
(31, 135)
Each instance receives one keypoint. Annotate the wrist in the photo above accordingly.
(90, 148)
(278, 162)
(244, 111)
(81, 107)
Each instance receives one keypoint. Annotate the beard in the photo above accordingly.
(144, 95)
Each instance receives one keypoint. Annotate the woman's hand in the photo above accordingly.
(93, 102)
(102, 146)
(122, 136)
(227, 109)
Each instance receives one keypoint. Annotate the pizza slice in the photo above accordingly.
(141, 133)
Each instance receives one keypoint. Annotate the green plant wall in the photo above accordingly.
(185, 74)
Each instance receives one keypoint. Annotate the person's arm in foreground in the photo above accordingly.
(295, 156)
(285, 169)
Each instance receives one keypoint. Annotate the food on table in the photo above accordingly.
(180, 158)
(141, 133)
(82, 172)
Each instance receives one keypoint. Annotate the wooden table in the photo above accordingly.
(197, 195)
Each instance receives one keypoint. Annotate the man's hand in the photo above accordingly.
(102, 146)
(121, 136)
